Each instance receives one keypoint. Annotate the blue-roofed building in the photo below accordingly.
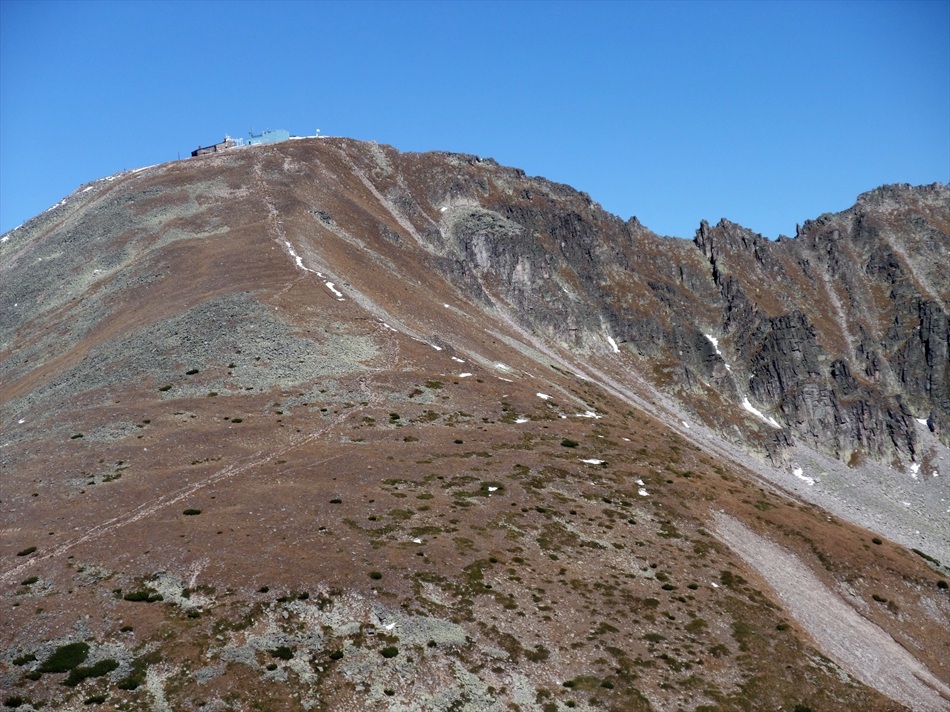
(267, 136)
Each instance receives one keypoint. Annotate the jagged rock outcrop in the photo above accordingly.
(839, 334)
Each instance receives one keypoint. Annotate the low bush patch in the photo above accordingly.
(66, 657)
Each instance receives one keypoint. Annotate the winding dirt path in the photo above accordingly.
(858, 645)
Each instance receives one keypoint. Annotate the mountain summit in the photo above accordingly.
(323, 425)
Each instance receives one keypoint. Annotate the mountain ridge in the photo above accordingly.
(244, 314)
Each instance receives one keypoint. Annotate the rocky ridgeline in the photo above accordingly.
(841, 334)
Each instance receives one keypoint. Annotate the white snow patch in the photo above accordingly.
(758, 413)
(914, 469)
(503, 367)
(613, 344)
(799, 473)
(714, 584)
(588, 414)
(640, 482)
(336, 292)
(521, 420)
(685, 423)
(593, 461)
(922, 421)
(543, 396)
(642, 492)
(506, 380)
(5, 238)
(443, 209)
(492, 489)
(715, 342)
(457, 359)
(437, 348)
(417, 541)
(464, 375)
(388, 326)
(21, 421)
(625, 439)
(300, 264)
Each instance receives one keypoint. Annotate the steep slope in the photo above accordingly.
(373, 430)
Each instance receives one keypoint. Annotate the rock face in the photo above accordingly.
(840, 334)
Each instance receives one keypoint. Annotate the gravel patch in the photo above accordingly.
(855, 643)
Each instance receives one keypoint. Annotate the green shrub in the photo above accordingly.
(375, 575)
(877, 541)
(95, 700)
(66, 657)
(942, 584)
(79, 674)
(390, 651)
(567, 442)
(27, 551)
(24, 659)
(76, 436)
(539, 654)
(191, 512)
(165, 388)
(336, 655)
(131, 682)
(147, 595)
(14, 702)
(191, 372)
(282, 652)
(29, 581)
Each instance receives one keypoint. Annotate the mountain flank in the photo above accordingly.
(324, 425)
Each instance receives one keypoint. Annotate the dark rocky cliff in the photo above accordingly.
(840, 334)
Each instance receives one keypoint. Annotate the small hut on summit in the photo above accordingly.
(266, 136)
(227, 143)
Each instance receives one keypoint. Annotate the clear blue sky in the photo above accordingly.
(767, 113)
